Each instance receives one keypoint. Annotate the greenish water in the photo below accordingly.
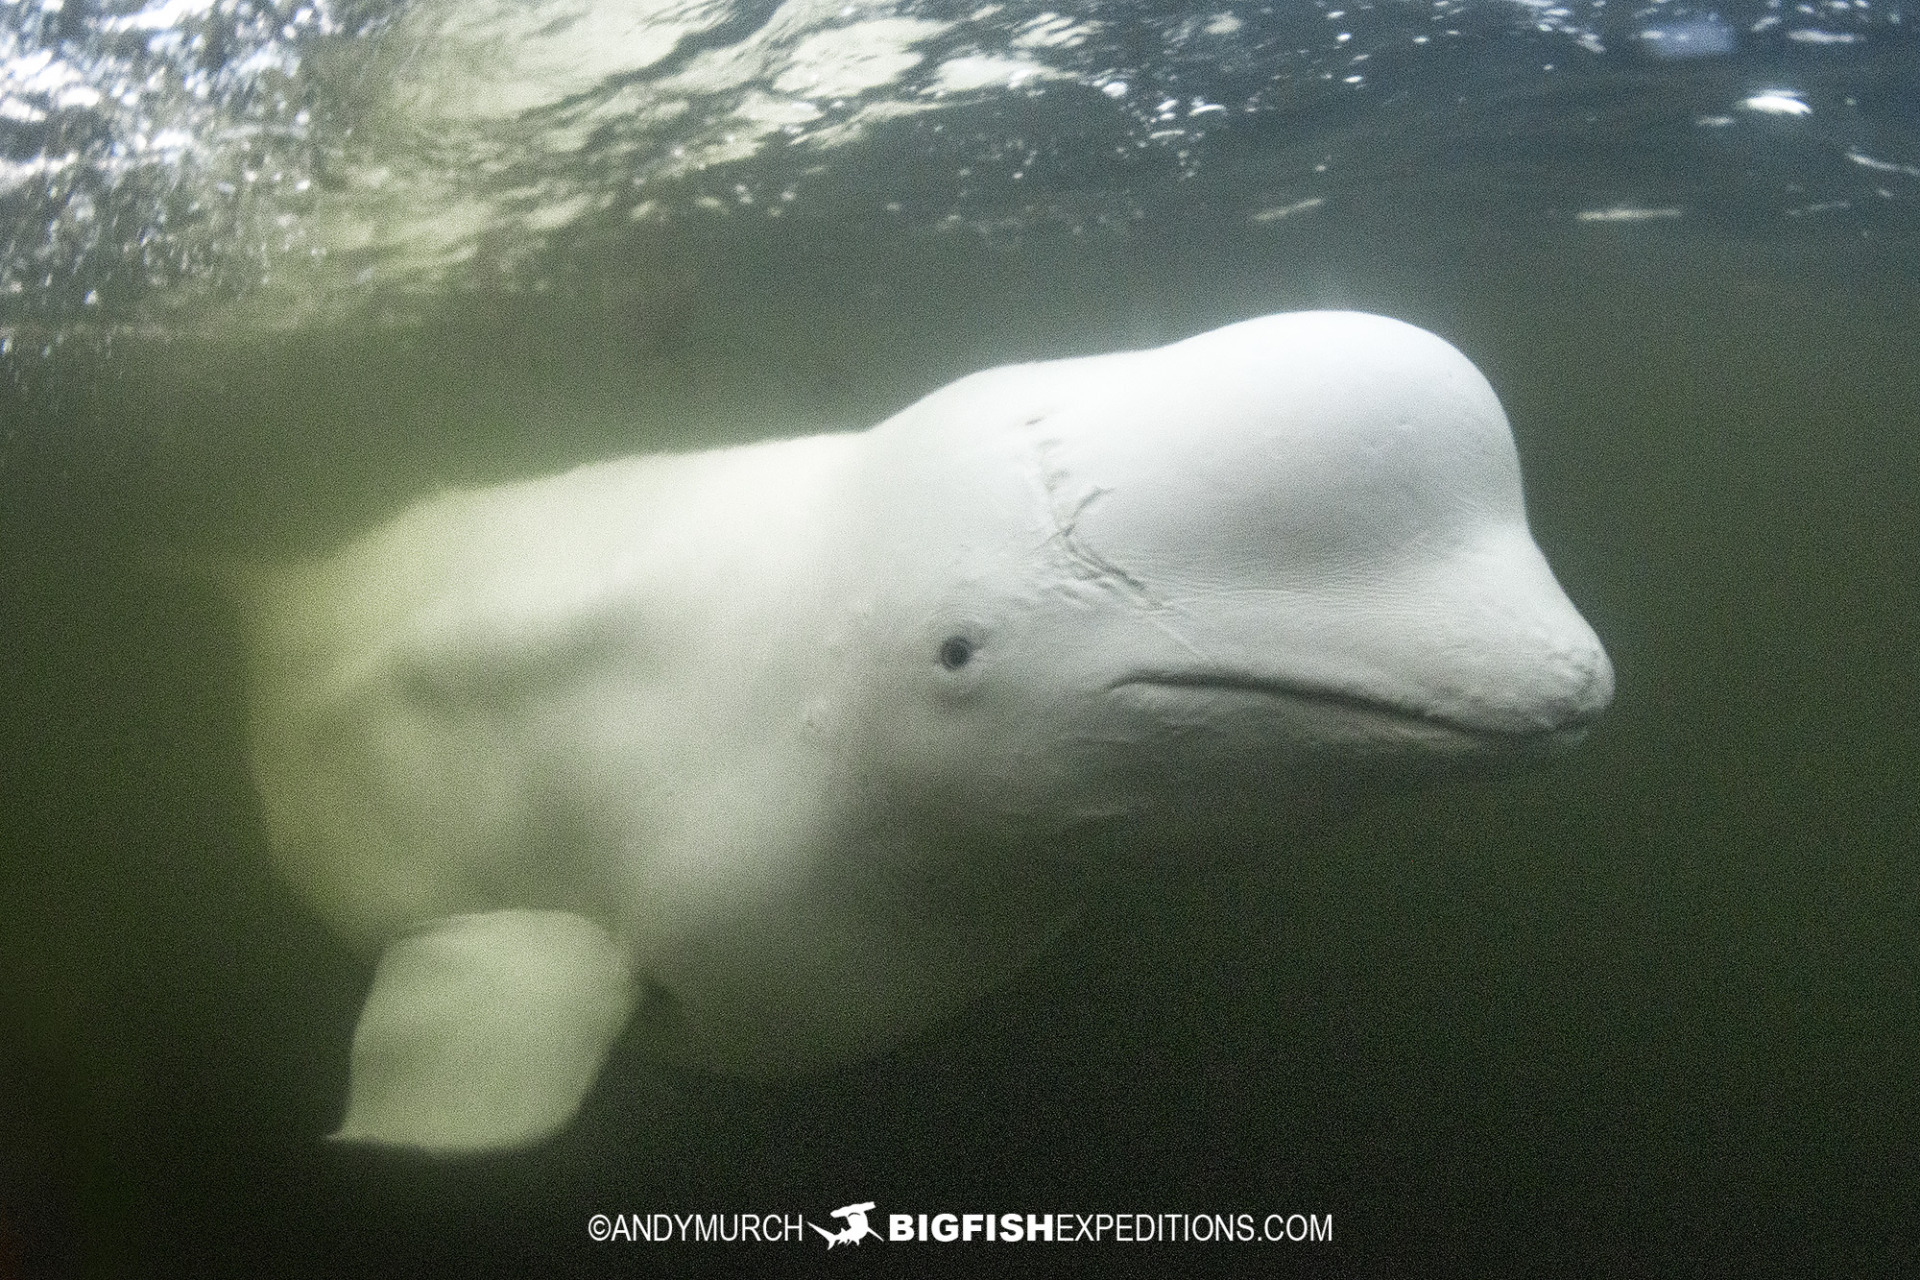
(1654, 1008)
(1653, 1004)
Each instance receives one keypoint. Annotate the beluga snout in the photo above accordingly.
(788, 746)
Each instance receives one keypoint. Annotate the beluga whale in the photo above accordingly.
(770, 756)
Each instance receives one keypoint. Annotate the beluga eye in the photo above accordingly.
(955, 652)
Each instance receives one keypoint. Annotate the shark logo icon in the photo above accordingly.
(857, 1228)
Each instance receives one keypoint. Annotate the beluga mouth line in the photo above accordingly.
(1334, 697)
(768, 757)
(1293, 690)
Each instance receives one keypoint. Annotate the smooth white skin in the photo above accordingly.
(697, 703)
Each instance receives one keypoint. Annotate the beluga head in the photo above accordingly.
(776, 754)
(1287, 555)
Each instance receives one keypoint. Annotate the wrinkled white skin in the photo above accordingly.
(675, 734)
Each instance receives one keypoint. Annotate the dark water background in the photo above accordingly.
(1655, 1008)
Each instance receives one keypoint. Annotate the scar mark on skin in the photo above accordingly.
(1087, 562)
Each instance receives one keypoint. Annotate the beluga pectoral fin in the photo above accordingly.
(484, 1032)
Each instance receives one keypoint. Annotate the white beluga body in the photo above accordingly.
(774, 754)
